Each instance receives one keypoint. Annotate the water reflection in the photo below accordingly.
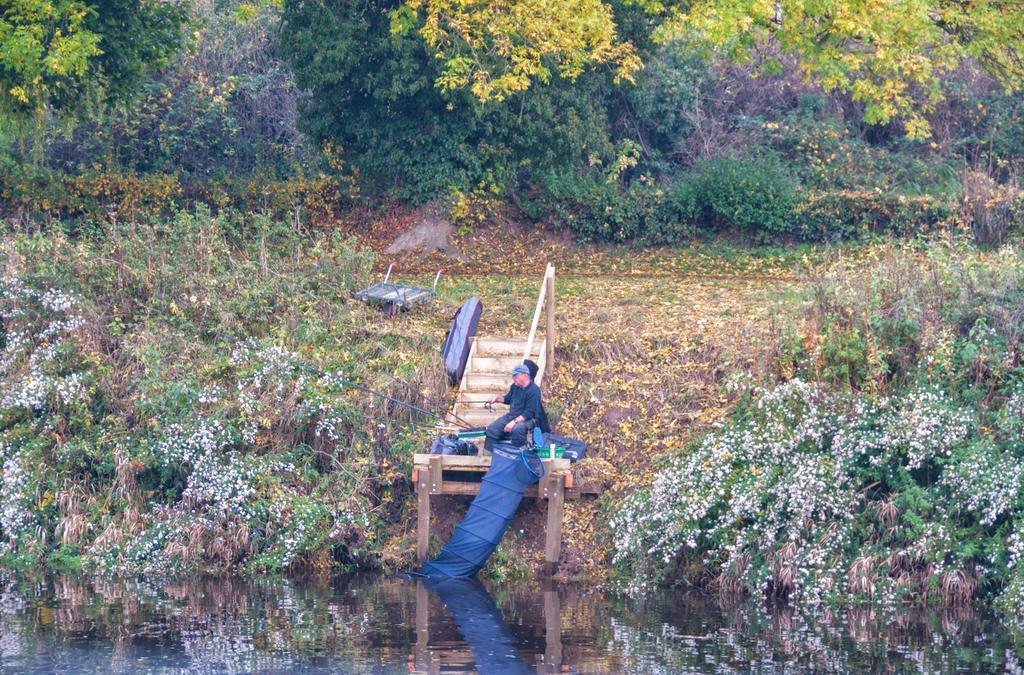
(481, 625)
(382, 625)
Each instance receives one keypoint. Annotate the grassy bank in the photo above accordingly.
(809, 423)
(884, 462)
(174, 401)
(160, 414)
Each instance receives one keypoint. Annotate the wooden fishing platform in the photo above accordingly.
(486, 376)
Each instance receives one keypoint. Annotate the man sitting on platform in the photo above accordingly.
(525, 410)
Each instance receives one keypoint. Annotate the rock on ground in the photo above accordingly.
(430, 232)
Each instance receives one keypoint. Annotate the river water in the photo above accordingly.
(371, 624)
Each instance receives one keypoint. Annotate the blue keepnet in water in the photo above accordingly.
(481, 624)
(475, 538)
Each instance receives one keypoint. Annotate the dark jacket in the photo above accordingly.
(525, 401)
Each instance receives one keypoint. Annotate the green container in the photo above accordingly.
(545, 453)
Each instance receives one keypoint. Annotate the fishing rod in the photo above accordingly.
(355, 385)
(436, 405)
(309, 367)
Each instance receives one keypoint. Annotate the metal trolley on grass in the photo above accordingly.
(393, 298)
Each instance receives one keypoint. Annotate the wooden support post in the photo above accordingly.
(436, 475)
(555, 490)
(422, 660)
(422, 616)
(552, 632)
(422, 515)
(550, 338)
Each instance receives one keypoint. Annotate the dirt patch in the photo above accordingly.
(430, 232)
(571, 566)
(613, 416)
(528, 527)
(446, 512)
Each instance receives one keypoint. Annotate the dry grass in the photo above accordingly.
(959, 587)
(218, 546)
(986, 206)
(72, 503)
(120, 529)
(886, 511)
(730, 581)
(862, 577)
(125, 487)
(784, 570)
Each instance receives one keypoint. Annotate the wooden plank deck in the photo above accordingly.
(480, 462)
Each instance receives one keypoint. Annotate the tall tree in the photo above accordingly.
(373, 95)
(66, 54)
(890, 54)
(498, 47)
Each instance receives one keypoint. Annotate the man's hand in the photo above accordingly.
(508, 427)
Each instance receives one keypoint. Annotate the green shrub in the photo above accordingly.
(675, 79)
(833, 216)
(595, 209)
(679, 208)
(755, 196)
(828, 156)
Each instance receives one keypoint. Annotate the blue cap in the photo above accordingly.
(521, 369)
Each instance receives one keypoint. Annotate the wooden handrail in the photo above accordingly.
(550, 333)
(542, 363)
(549, 270)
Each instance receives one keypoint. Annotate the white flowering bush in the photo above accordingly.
(891, 468)
(189, 446)
(1011, 418)
(38, 357)
(985, 480)
(237, 479)
(772, 500)
(44, 391)
(15, 502)
(155, 416)
(1012, 597)
(229, 485)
